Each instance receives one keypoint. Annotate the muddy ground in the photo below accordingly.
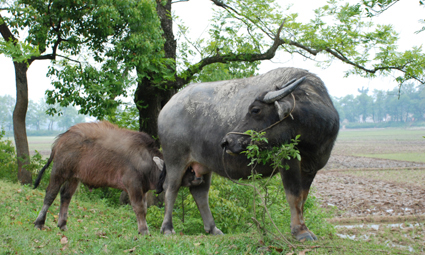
(364, 196)
(373, 199)
(356, 186)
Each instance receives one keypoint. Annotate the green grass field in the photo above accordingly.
(414, 157)
(393, 134)
(394, 144)
(42, 144)
(96, 228)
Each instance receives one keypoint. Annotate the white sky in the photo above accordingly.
(196, 15)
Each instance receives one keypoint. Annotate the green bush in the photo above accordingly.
(8, 165)
(110, 196)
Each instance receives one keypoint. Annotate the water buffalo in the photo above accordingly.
(101, 154)
(203, 118)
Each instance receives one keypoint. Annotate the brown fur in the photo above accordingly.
(101, 154)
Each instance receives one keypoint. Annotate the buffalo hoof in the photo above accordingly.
(215, 231)
(63, 228)
(39, 226)
(307, 236)
(168, 232)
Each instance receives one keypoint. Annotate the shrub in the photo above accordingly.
(8, 165)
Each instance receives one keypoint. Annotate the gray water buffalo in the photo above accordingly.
(204, 119)
(101, 154)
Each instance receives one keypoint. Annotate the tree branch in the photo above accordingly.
(250, 57)
(5, 31)
(230, 10)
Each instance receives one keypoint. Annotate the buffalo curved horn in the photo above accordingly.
(272, 96)
(286, 84)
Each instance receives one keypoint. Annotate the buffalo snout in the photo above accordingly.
(234, 144)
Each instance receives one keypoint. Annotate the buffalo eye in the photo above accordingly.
(255, 111)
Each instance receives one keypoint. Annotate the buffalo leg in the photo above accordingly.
(296, 193)
(306, 181)
(67, 191)
(51, 193)
(172, 185)
(200, 195)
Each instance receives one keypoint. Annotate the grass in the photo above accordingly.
(393, 134)
(42, 144)
(96, 228)
(394, 144)
(415, 157)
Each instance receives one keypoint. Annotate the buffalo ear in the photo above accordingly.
(279, 110)
(159, 162)
(282, 108)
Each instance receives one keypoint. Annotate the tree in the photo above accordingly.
(379, 108)
(6, 111)
(348, 106)
(241, 32)
(36, 115)
(69, 118)
(68, 29)
(252, 31)
(364, 103)
(376, 7)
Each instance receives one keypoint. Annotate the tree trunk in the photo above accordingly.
(19, 128)
(150, 100)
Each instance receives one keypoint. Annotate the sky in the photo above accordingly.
(196, 14)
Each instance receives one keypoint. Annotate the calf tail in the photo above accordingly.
(40, 174)
(160, 184)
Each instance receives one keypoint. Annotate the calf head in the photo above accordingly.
(267, 110)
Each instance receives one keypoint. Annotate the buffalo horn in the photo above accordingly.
(286, 84)
(272, 96)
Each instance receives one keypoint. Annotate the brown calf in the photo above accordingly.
(101, 154)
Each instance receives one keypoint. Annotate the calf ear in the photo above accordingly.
(159, 162)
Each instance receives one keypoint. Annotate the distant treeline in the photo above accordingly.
(404, 106)
(37, 121)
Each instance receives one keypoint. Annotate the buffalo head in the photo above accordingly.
(263, 114)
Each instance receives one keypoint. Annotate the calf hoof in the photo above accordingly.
(197, 181)
(215, 231)
(306, 236)
(144, 232)
(63, 228)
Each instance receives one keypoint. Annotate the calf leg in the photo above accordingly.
(295, 183)
(139, 203)
(67, 191)
(51, 193)
(200, 194)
